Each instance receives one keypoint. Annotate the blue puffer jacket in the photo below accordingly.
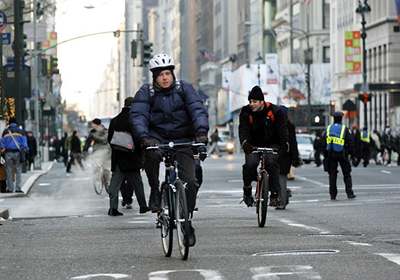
(18, 134)
(166, 116)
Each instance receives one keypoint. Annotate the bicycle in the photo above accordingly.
(174, 212)
(263, 187)
(101, 178)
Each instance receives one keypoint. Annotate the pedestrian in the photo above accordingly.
(365, 138)
(14, 146)
(169, 110)
(75, 151)
(318, 148)
(356, 138)
(387, 140)
(214, 143)
(64, 148)
(287, 159)
(32, 145)
(125, 166)
(338, 148)
(262, 124)
(376, 147)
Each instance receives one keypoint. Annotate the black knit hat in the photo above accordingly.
(256, 94)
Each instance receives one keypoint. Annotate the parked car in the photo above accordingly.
(226, 143)
(305, 146)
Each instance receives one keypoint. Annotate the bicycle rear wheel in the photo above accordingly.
(106, 178)
(166, 219)
(182, 220)
(98, 180)
(262, 200)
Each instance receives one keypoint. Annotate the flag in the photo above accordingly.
(398, 10)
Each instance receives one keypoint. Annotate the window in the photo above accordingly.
(326, 53)
(326, 14)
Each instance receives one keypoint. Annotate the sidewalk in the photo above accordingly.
(27, 181)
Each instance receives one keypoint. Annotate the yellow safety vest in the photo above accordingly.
(335, 142)
(364, 138)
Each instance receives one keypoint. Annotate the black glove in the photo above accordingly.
(297, 162)
(149, 142)
(201, 138)
(202, 153)
(247, 148)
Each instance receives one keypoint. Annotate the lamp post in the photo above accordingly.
(259, 59)
(362, 9)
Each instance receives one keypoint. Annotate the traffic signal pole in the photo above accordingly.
(18, 52)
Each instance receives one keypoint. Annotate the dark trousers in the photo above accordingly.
(271, 165)
(334, 160)
(317, 157)
(73, 157)
(186, 172)
(134, 181)
(366, 154)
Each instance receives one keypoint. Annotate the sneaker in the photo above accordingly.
(333, 198)
(154, 202)
(248, 200)
(273, 202)
(19, 191)
(190, 239)
(114, 212)
(123, 203)
(128, 206)
(351, 196)
(144, 209)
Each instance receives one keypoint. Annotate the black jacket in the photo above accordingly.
(126, 161)
(286, 159)
(267, 128)
(75, 144)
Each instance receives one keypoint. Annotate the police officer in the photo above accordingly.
(338, 147)
(365, 138)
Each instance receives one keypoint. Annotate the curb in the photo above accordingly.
(4, 213)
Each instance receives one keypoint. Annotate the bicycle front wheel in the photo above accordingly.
(182, 220)
(166, 219)
(98, 180)
(262, 200)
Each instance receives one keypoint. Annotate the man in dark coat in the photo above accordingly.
(169, 110)
(32, 145)
(75, 151)
(261, 124)
(125, 166)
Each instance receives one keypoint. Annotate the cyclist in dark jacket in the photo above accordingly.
(261, 124)
(168, 110)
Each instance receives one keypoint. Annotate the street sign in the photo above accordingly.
(6, 38)
(3, 21)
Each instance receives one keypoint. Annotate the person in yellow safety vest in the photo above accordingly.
(365, 146)
(338, 146)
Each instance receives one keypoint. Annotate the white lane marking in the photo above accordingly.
(113, 276)
(207, 274)
(313, 181)
(142, 222)
(296, 253)
(1, 200)
(311, 228)
(386, 172)
(334, 204)
(221, 192)
(44, 184)
(273, 272)
(357, 243)
(81, 179)
(235, 181)
(391, 257)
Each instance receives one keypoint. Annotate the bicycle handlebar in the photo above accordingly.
(265, 150)
(172, 145)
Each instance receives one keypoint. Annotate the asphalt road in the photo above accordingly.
(61, 231)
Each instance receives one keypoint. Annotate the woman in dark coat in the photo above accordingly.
(286, 160)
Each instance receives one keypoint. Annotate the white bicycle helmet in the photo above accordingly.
(161, 60)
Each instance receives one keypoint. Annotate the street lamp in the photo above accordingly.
(259, 59)
(362, 9)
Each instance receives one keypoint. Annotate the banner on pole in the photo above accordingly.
(352, 51)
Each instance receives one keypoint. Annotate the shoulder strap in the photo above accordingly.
(16, 143)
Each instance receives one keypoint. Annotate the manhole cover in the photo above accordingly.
(298, 252)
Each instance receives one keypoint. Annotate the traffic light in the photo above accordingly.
(364, 97)
(133, 49)
(147, 52)
(54, 65)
